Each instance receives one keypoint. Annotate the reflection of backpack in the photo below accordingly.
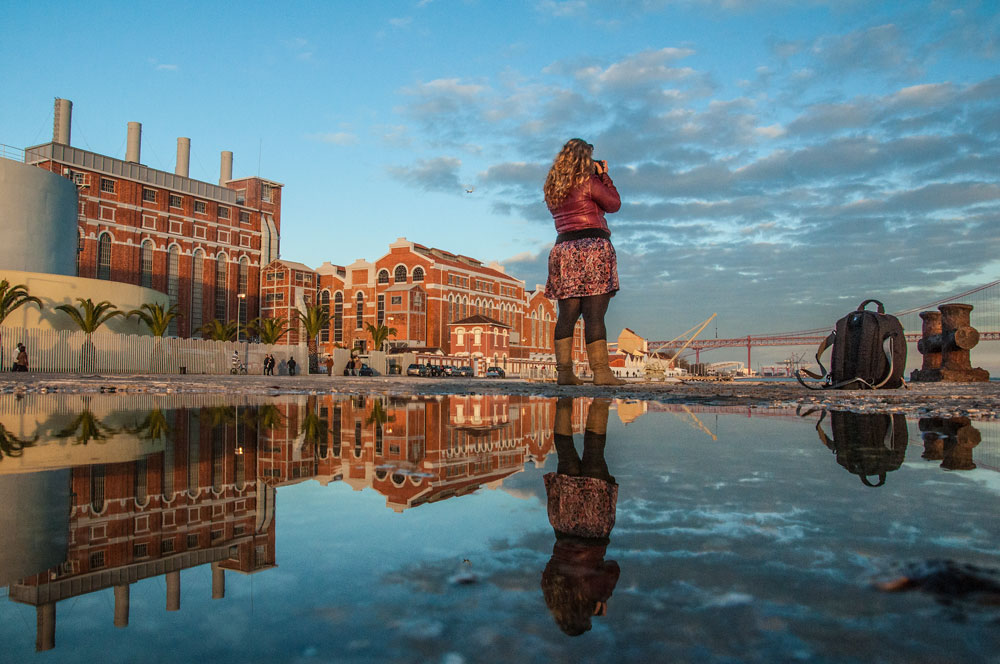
(866, 444)
(869, 352)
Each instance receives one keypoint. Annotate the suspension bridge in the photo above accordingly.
(985, 300)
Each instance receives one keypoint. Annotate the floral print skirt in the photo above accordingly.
(580, 268)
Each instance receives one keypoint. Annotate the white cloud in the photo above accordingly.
(335, 138)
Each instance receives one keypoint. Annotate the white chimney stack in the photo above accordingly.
(183, 156)
(134, 142)
(62, 121)
(225, 168)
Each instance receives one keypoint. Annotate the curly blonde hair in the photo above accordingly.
(572, 166)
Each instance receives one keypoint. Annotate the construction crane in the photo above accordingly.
(693, 332)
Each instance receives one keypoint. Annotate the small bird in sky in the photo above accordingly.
(470, 190)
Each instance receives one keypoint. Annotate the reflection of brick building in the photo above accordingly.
(197, 502)
(209, 496)
(199, 242)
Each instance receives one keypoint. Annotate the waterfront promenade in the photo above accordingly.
(978, 401)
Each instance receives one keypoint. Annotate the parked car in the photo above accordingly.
(447, 370)
(465, 372)
(366, 370)
(433, 370)
(416, 370)
(495, 372)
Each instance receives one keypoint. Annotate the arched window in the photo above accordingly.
(220, 287)
(324, 304)
(173, 283)
(418, 274)
(146, 264)
(79, 251)
(338, 317)
(193, 453)
(241, 288)
(383, 276)
(97, 488)
(197, 289)
(400, 276)
(104, 257)
(244, 275)
(359, 311)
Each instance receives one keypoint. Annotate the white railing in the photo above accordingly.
(51, 351)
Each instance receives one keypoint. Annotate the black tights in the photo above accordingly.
(592, 308)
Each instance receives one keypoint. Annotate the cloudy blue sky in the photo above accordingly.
(778, 161)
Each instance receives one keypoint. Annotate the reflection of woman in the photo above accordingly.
(583, 268)
(582, 495)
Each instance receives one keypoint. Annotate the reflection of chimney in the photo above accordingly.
(173, 590)
(45, 627)
(226, 168)
(61, 123)
(134, 141)
(121, 605)
(183, 156)
(218, 581)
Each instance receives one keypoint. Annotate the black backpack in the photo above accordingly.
(866, 444)
(869, 352)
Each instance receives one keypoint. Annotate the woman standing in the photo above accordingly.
(583, 269)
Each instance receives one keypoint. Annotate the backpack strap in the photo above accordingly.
(823, 345)
(880, 309)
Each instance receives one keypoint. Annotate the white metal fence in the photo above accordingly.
(106, 352)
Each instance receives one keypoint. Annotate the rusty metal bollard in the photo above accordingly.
(947, 339)
(949, 441)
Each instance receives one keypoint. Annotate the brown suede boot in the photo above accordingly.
(597, 353)
(564, 362)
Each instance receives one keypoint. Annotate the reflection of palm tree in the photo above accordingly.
(378, 414)
(11, 445)
(312, 426)
(269, 417)
(153, 427)
(85, 428)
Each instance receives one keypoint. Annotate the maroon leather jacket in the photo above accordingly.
(586, 205)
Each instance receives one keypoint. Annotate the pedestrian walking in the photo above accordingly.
(21, 361)
(329, 365)
(291, 366)
(583, 267)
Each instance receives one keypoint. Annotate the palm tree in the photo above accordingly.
(380, 334)
(89, 317)
(216, 330)
(314, 320)
(12, 297)
(269, 330)
(157, 319)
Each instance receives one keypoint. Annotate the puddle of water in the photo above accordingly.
(422, 529)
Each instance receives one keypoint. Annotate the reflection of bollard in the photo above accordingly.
(950, 441)
(947, 339)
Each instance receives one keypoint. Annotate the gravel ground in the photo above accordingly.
(978, 401)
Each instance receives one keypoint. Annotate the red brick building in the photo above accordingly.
(201, 243)
(434, 299)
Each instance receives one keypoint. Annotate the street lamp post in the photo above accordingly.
(240, 311)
